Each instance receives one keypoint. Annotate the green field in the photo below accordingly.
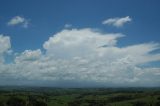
(30, 96)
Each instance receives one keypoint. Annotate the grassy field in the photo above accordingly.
(29, 96)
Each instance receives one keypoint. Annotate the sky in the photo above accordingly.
(80, 43)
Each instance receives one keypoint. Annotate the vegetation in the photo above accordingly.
(27, 96)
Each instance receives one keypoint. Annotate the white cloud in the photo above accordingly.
(28, 55)
(18, 20)
(68, 25)
(5, 45)
(86, 55)
(78, 42)
(117, 22)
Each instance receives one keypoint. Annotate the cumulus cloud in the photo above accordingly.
(87, 56)
(5, 45)
(28, 55)
(78, 42)
(117, 22)
(18, 20)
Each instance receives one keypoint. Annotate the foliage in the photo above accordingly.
(80, 97)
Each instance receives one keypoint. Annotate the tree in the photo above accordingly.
(15, 101)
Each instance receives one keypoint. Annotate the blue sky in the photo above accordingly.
(48, 17)
(39, 20)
